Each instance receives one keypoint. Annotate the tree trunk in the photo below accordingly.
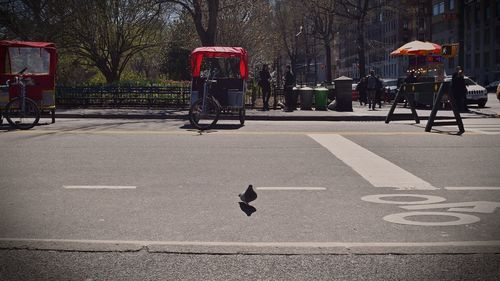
(293, 65)
(207, 36)
(213, 11)
(328, 62)
(361, 48)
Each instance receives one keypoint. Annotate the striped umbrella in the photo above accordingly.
(417, 48)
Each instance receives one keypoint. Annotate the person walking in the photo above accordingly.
(379, 92)
(361, 88)
(288, 87)
(371, 89)
(459, 89)
(265, 85)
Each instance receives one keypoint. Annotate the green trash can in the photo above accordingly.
(320, 98)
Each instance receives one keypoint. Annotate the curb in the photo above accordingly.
(353, 118)
(226, 117)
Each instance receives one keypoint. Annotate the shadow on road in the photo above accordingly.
(247, 208)
(214, 128)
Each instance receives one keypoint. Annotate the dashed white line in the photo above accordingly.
(98, 187)
(290, 188)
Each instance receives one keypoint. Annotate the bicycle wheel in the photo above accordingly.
(19, 118)
(204, 118)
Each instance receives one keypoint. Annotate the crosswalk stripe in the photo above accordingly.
(373, 168)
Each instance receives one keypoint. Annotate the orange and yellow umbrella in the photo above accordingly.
(417, 48)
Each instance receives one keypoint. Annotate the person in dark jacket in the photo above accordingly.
(265, 85)
(459, 89)
(372, 84)
(288, 87)
(361, 88)
(379, 92)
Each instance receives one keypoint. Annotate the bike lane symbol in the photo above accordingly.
(429, 202)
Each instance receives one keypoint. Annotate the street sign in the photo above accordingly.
(449, 50)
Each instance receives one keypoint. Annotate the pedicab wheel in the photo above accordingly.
(19, 118)
(204, 119)
(241, 113)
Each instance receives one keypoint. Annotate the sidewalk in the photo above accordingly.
(359, 113)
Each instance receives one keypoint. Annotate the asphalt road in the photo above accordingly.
(129, 199)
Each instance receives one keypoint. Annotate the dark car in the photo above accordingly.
(390, 88)
(492, 87)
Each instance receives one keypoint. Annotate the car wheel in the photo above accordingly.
(481, 103)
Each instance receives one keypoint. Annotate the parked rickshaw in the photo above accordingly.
(218, 84)
(27, 76)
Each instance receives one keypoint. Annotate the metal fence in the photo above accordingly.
(143, 97)
(123, 96)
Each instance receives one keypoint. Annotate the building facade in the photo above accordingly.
(481, 38)
(387, 29)
(436, 21)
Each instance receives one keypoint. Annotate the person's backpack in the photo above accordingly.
(371, 83)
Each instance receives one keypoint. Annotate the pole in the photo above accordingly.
(461, 32)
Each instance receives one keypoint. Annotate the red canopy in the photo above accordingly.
(12, 43)
(219, 52)
(44, 83)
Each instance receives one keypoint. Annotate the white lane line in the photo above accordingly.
(290, 188)
(472, 188)
(98, 187)
(492, 243)
(375, 169)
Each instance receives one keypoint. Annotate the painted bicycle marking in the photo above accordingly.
(418, 204)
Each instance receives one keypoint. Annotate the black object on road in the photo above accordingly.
(249, 195)
(247, 209)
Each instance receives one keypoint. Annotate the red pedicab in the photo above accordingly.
(218, 83)
(27, 69)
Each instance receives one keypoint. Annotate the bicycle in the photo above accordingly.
(22, 112)
(205, 111)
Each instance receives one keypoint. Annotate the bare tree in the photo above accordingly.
(204, 14)
(247, 23)
(35, 20)
(325, 25)
(359, 10)
(288, 23)
(108, 33)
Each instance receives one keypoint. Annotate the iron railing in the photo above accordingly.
(143, 97)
